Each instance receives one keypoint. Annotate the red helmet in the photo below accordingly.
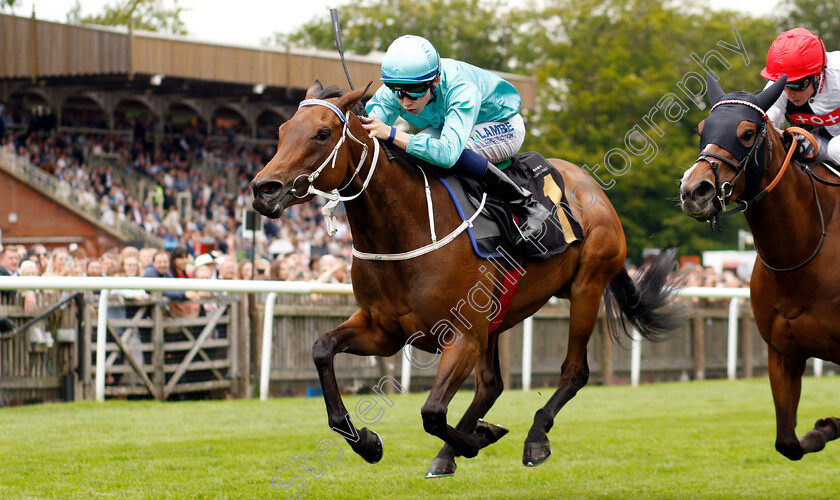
(796, 53)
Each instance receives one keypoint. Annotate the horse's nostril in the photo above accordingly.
(267, 189)
(703, 191)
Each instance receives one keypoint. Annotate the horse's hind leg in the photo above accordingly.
(786, 384)
(488, 387)
(455, 365)
(575, 373)
(354, 336)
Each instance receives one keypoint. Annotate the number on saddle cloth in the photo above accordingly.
(533, 172)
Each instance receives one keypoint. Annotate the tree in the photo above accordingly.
(148, 15)
(474, 30)
(8, 3)
(819, 16)
(602, 68)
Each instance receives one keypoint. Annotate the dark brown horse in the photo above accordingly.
(793, 215)
(424, 298)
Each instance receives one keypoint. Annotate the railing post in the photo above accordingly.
(698, 324)
(87, 372)
(244, 363)
(607, 365)
(818, 367)
(265, 355)
(405, 371)
(101, 333)
(527, 346)
(747, 339)
(158, 375)
(732, 344)
(234, 336)
(635, 359)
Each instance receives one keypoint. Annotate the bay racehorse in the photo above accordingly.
(793, 212)
(421, 300)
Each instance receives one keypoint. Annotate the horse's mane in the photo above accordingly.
(333, 91)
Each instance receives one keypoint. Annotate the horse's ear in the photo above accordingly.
(714, 90)
(348, 100)
(312, 91)
(700, 127)
(771, 94)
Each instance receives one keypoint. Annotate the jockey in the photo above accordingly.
(811, 98)
(468, 117)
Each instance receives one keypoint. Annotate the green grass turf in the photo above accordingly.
(702, 440)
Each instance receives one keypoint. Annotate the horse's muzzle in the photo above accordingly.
(696, 200)
(268, 198)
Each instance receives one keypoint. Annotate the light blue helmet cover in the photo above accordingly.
(410, 59)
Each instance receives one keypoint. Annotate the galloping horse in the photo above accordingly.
(421, 300)
(794, 219)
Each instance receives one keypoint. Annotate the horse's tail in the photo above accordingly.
(646, 299)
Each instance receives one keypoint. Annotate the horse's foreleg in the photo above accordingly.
(786, 384)
(575, 373)
(455, 365)
(354, 336)
(488, 387)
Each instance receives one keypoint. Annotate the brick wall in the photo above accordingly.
(38, 216)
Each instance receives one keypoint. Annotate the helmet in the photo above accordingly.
(410, 59)
(796, 53)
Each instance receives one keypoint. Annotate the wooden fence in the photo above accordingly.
(151, 353)
(696, 351)
(37, 364)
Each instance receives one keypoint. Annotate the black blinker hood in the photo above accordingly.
(721, 125)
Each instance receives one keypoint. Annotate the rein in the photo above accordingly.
(335, 197)
(822, 229)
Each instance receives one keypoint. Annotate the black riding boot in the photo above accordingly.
(529, 211)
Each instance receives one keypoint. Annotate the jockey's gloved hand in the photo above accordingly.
(805, 152)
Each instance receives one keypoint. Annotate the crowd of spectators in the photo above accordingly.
(205, 233)
(198, 190)
(129, 261)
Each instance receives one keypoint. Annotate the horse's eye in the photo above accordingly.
(323, 134)
(749, 134)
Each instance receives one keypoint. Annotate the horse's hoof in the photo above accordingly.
(372, 451)
(490, 432)
(791, 451)
(830, 427)
(441, 467)
(536, 453)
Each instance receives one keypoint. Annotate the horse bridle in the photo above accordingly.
(334, 196)
(723, 192)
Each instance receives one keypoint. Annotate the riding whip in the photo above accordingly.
(338, 43)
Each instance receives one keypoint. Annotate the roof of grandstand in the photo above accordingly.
(48, 54)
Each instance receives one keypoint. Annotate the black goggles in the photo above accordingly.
(411, 91)
(801, 84)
